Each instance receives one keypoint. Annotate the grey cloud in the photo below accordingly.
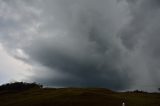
(88, 43)
(142, 35)
(88, 50)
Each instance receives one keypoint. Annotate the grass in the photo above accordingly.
(77, 97)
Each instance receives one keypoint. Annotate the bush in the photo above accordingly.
(139, 91)
(19, 86)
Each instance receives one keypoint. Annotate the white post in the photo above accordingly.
(123, 104)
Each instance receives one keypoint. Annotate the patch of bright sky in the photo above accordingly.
(12, 69)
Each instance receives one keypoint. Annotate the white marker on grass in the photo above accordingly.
(123, 104)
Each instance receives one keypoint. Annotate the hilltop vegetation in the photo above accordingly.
(19, 86)
(73, 97)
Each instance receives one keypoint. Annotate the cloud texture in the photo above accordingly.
(85, 43)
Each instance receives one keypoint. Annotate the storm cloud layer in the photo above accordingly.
(85, 43)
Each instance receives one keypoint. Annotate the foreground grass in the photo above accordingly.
(76, 97)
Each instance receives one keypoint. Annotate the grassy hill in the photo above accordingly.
(76, 97)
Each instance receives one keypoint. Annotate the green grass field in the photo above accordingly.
(76, 97)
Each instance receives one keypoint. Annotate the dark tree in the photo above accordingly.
(20, 86)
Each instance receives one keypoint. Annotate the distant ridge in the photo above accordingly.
(33, 94)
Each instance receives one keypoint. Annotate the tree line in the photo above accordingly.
(20, 86)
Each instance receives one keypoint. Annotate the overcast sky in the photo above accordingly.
(81, 43)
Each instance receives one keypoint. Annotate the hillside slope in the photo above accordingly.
(76, 97)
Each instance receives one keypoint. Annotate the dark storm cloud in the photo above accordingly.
(86, 49)
(142, 35)
(82, 70)
(88, 43)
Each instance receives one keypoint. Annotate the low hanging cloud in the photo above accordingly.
(85, 43)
